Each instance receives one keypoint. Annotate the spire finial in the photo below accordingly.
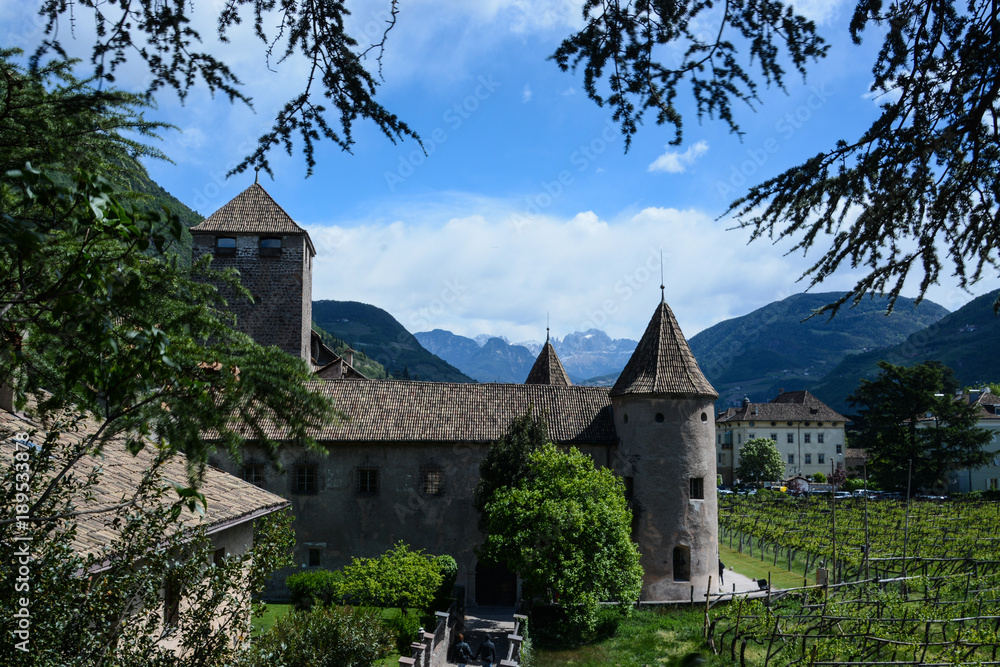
(546, 327)
(663, 293)
(256, 176)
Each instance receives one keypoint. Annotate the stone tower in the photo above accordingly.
(253, 234)
(664, 416)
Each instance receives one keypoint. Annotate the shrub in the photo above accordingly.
(322, 637)
(314, 585)
(398, 578)
(449, 573)
(404, 628)
(818, 477)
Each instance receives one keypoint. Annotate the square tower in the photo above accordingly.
(254, 235)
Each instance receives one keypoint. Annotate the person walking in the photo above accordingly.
(463, 652)
(486, 652)
(722, 573)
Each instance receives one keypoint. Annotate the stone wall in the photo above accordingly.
(342, 523)
(281, 313)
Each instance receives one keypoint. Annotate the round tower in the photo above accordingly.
(664, 416)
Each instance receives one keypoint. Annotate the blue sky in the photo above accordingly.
(525, 205)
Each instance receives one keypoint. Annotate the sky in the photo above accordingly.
(523, 207)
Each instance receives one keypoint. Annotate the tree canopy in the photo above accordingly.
(566, 530)
(760, 461)
(506, 462)
(399, 578)
(162, 36)
(905, 417)
(916, 194)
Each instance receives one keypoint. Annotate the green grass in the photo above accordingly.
(755, 568)
(647, 637)
(272, 613)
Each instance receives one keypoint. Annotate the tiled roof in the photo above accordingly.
(662, 362)
(230, 500)
(250, 212)
(414, 412)
(548, 369)
(788, 406)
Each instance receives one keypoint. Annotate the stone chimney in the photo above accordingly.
(349, 357)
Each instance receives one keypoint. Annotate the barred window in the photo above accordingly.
(367, 481)
(432, 483)
(314, 557)
(697, 488)
(306, 480)
(255, 473)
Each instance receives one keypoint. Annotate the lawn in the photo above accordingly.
(755, 568)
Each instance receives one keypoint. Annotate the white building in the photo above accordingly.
(809, 434)
(986, 478)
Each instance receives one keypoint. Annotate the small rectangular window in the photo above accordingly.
(225, 245)
(819, 438)
(791, 438)
(254, 473)
(367, 481)
(314, 557)
(697, 488)
(807, 437)
(629, 488)
(720, 459)
(270, 247)
(994, 484)
(791, 459)
(774, 436)
(751, 436)
(306, 479)
(218, 556)
(840, 449)
(809, 459)
(171, 602)
(821, 458)
(432, 483)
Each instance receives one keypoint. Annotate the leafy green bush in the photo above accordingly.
(404, 628)
(449, 573)
(818, 477)
(398, 578)
(322, 637)
(314, 585)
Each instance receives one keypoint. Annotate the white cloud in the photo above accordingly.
(674, 162)
(526, 93)
(483, 271)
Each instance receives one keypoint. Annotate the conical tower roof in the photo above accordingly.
(548, 369)
(662, 362)
(253, 211)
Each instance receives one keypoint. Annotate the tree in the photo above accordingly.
(323, 637)
(923, 174)
(760, 461)
(161, 36)
(566, 530)
(905, 419)
(399, 578)
(506, 462)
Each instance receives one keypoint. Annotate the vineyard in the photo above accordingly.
(907, 585)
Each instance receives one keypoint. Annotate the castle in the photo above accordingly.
(403, 460)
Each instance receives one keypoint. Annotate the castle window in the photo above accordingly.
(697, 488)
(270, 247)
(819, 438)
(821, 458)
(791, 438)
(314, 557)
(625, 418)
(809, 459)
(704, 417)
(225, 245)
(432, 482)
(807, 437)
(306, 479)
(219, 557)
(367, 481)
(682, 563)
(840, 449)
(774, 436)
(629, 488)
(659, 417)
(171, 602)
(253, 473)
(751, 436)
(791, 459)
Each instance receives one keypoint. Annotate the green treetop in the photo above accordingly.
(760, 461)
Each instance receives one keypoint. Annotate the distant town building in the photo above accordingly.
(808, 433)
(986, 478)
